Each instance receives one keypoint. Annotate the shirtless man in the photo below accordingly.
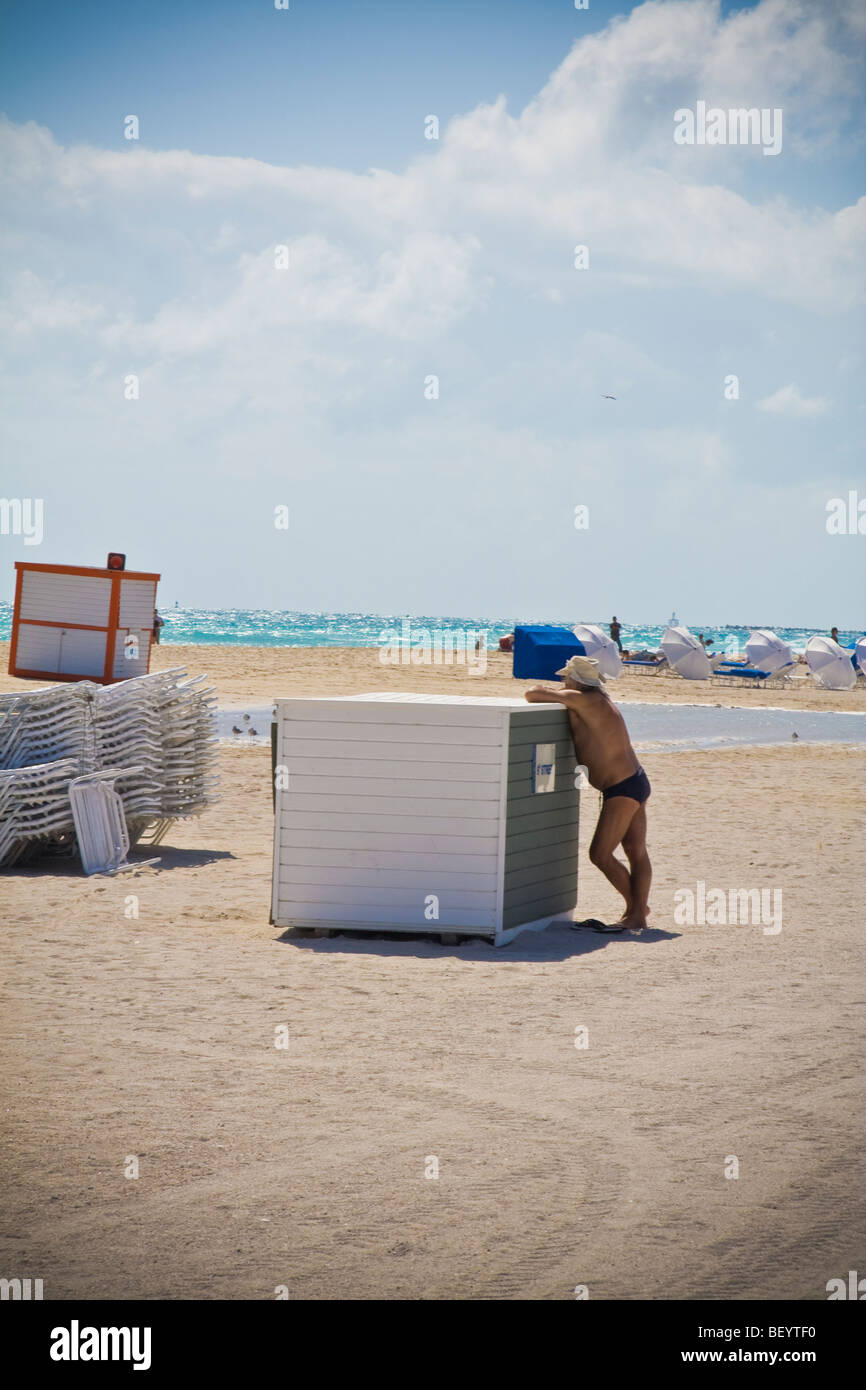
(603, 747)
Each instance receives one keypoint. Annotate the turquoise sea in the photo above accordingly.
(262, 627)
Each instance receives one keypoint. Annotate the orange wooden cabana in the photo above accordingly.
(72, 623)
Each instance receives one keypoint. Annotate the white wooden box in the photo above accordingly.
(71, 623)
(424, 813)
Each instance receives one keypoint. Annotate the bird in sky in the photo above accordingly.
(608, 398)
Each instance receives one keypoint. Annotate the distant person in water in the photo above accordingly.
(615, 630)
(602, 745)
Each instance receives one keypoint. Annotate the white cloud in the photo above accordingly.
(162, 263)
(788, 401)
(591, 158)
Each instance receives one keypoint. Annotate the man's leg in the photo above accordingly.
(613, 824)
(634, 844)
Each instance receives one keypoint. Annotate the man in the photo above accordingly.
(158, 625)
(834, 634)
(615, 630)
(603, 747)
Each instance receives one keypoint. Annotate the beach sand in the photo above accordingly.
(256, 675)
(559, 1166)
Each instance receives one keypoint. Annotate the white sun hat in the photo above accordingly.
(584, 670)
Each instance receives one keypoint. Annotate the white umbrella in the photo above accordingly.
(598, 645)
(860, 649)
(685, 654)
(830, 664)
(768, 652)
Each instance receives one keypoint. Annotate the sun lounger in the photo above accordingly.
(645, 668)
(159, 728)
(749, 675)
(100, 824)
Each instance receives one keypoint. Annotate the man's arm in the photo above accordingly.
(544, 695)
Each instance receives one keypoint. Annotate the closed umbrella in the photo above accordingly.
(597, 644)
(685, 654)
(830, 664)
(768, 652)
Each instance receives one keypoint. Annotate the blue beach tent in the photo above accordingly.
(539, 652)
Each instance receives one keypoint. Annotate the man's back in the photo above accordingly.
(600, 737)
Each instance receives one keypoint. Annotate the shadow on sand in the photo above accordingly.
(556, 942)
(69, 866)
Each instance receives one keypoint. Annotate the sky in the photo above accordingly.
(284, 299)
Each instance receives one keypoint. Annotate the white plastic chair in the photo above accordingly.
(100, 823)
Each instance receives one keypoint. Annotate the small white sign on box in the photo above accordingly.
(544, 767)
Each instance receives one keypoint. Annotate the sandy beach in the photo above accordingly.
(256, 675)
(153, 1036)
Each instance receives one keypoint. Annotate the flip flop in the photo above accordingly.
(615, 928)
(592, 923)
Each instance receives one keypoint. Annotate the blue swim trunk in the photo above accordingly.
(637, 787)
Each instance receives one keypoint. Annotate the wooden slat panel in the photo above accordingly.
(368, 731)
(409, 806)
(550, 819)
(544, 907)
(65, 598)
(541, 849)
(64, 651)
(538, 838)
(391, 859)
(547, 872)
(392, 918)
(345, 770)
(525, 726)
(533, 892)
(387, 751)
(411, 697)
(393, 793)
(388, 804)
(377, 928)
(524, 803)
(372, 894)
(545, 851)
(420, 881)
(554, 731)
(302, 819)
(137, 602)
(380, 713)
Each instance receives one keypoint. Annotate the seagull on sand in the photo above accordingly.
(235, 729)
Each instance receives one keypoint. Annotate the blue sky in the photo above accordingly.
(453, 257)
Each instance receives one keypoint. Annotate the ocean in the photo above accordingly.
(653, 728)
(263, 627)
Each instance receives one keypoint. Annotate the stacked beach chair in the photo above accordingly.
(142, 751)
(35, 813)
